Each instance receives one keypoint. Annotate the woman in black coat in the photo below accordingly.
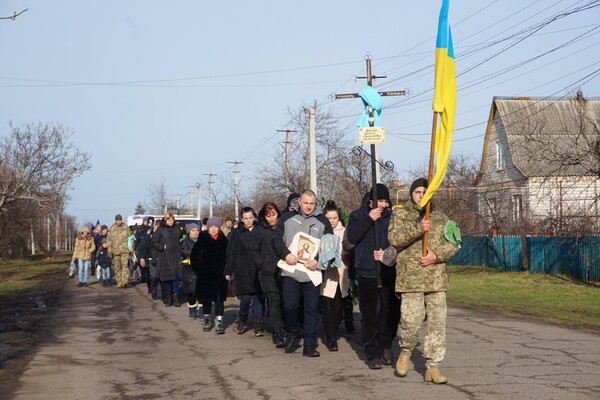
(272, 249)
(208, 259)
(188, 276)
(243, 260)
(166, 243)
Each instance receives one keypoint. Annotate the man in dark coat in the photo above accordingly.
(379, 306)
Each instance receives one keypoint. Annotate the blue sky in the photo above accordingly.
(173, 90)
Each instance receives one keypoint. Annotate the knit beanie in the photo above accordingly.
(383, 193)
(189, 227)
(291, 197)
(421, 182)
(213, 221)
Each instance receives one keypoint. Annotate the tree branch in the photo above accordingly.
(15, 15)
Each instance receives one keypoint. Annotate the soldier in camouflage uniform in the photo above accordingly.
(422, 281)
(118, 250)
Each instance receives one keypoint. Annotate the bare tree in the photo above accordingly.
(38, 163)
(158, 200)
(458, 199)
(342, 175)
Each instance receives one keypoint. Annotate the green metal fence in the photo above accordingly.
(578, 257)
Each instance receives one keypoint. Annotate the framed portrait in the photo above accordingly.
(304, 247)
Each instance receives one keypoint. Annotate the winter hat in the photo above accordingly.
(146, 218)
(421, 182)
(213, 221)
(85, 229)
(383, 193)
(118, 217)
(291, 197)
(191, 226)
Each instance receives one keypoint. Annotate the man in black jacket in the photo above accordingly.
(379, 306)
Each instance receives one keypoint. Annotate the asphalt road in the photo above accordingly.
(111, 343)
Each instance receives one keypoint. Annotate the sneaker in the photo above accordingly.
(240, 326)
(219, 330)
(374, 363)
(80, 284)
(278, 340)
(386, 357)
(258, 329)
(206, 323)
(332, 345)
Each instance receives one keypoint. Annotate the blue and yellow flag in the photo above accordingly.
(444, 100)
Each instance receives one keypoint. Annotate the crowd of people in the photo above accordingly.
(259, 259)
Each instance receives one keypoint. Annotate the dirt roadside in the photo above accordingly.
(26, 323)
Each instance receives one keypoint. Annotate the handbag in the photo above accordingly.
(72, 269)
(98, 272)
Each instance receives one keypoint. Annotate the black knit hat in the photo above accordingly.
(383, 193)
(291, 197)
(420, 182)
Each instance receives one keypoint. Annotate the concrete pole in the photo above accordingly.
(312, 149)
(199, 187)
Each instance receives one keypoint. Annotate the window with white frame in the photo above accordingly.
(517, 207)
(499, 156)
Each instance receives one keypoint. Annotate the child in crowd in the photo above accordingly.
(104, 262)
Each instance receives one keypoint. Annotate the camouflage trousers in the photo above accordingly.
(121, 271)
(413, 309)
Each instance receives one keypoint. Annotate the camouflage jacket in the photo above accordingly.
(404, 234)
(117, 239)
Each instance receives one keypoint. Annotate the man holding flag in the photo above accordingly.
(421, 278)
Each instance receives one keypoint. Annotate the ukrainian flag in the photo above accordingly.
(444, 100)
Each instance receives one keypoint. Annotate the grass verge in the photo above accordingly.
(555, 299)
(29, 292)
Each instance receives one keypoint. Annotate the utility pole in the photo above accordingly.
(199, 187)
(235, 186)
(191, 194)
(287, 158)
(177, 199)
(312, 149)
(374, 167)
(210, 193)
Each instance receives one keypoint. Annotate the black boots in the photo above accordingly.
(168, 301)
(176, 301)
(154, 292)
(291, 342)
(310, 352)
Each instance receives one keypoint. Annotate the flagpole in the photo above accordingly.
(429, 179)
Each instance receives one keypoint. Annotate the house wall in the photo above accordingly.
(566, 197)
(499, 185)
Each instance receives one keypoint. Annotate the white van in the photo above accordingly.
(180, 220)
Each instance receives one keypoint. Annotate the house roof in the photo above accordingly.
(550, 136)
